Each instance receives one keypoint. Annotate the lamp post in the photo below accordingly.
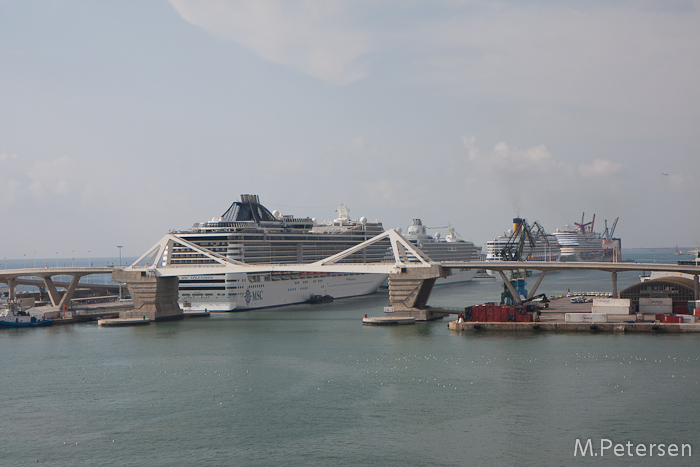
(120, 265)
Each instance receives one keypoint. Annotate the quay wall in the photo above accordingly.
(575, 327)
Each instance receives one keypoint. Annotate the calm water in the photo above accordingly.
(309, 385)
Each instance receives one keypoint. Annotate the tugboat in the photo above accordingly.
(12, 315)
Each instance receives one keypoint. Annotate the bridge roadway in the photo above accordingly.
(545, 266)
(396, 268)
(11, 277)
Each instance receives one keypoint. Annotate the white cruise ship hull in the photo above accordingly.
(241, 292)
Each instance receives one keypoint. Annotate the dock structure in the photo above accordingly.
(154, 298)
(556, 319)
(152, 279)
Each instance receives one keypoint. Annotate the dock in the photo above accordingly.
(123, 322)
(632, 327)
(553, 319)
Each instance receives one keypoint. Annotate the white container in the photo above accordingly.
(655, 305)
(586, 318)
(689, 319)
(611, 306)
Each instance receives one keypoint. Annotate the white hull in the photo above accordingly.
(242, 292)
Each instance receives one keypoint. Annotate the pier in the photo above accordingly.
(553, 320)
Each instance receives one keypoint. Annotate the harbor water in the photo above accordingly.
(308, 385)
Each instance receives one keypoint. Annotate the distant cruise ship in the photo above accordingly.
(248, 232)
(449, 248)
(581, 243)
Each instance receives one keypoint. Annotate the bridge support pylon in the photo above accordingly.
(410, 289)
(154, 297)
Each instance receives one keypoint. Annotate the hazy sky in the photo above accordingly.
(122, 120)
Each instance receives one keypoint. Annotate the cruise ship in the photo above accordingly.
(581, 243)
(546, 245)
(248, 232)
(449, 248)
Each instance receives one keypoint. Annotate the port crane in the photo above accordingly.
(522, 232)
(513, 251)
(608, 233)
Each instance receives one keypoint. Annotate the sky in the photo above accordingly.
(122, 120)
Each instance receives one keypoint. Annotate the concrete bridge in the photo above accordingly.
(153, 279)
(13, 277)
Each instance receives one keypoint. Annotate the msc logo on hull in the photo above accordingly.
(252, 296)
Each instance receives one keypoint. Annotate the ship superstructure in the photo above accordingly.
(581, 243)
(448, 248)
(249, 233)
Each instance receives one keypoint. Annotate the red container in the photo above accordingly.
(680, 310)
(673, 319)
(523, 318)
(489, 314)
(659, 317)
(696, 311)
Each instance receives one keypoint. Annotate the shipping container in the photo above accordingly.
(655, 305)
(586, 318)
(611, 306)
(671, 319)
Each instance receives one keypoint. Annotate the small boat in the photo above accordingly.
(12, 315)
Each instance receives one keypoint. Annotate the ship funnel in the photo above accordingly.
(517, 223)
(250, 199)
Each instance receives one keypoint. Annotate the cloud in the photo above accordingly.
(8, 157)
(51, 177)
(395, 192)
(599, 168)
(609, 55)
(506, 159)
(531, 176)
(308, 35)
(11, 193)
